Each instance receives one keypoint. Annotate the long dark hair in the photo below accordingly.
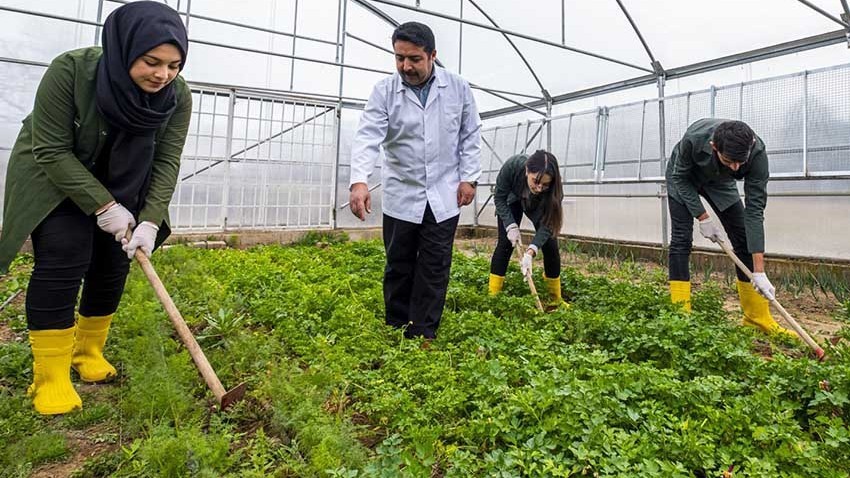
(540, 163)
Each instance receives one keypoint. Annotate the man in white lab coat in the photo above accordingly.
(426, 120)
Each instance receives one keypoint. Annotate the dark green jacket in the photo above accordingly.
(694, 169)
(59, 142)
(512, 186)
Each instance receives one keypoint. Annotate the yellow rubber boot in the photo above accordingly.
(757, 311)
(51, 390)
(553, 286)
(496, 284)
(680, 293)
(88, 358)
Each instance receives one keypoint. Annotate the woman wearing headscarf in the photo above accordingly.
(98, 155)
(529, 185)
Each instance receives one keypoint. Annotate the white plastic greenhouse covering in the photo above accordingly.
(608, 86)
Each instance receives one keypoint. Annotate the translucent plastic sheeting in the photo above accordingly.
(611, 159)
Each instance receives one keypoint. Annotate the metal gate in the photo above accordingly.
(256, 161)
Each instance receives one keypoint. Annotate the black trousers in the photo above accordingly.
(682, 236)
(504, 249)
(70, 249)
(419, 259)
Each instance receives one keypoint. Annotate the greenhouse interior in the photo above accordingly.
(258, 340)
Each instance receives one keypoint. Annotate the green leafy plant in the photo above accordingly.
(621, 383)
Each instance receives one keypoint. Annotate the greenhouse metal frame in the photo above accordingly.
(288, 142)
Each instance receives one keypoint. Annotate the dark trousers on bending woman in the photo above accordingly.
(416, 277)
(71, 250)
(504, 252)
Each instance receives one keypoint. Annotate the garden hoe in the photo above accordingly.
(225, 398)
(776, 305)
(527, 279)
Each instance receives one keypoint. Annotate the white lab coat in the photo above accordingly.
(427, 151)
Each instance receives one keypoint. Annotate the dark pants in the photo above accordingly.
(682, 237)
(69, 248)
(419, 259)
(504, 249)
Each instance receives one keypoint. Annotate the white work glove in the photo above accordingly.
(144, 237)
(116, 220)
(710, 231)
(763, 286)
(525, 264)
(513, 234)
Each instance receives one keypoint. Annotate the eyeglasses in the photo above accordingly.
(537, 182)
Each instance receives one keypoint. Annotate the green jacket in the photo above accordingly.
(512, 186)
(694, 169)
(57, 147)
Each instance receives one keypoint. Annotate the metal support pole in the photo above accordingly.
(343, 10)
(596, 152)
(527, 130)
(806, 123)
(99, 21)
(335, 171)
(338, 29)
(567, 146)
(603, 146)
(294, 32)
(662, 149)
(548, 121)
(228, 152)
(642, 130)
(563, 24)
(712, 94)
(188, 14)
(741, 102)
(460, 54)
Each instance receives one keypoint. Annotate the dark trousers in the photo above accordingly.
(504, 249)
(70, 249)
(682, 237)
(419, 259)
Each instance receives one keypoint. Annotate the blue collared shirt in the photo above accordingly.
(422, 90)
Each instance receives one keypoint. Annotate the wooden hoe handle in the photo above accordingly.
(529, 279)
(224, 398)
(776, 305)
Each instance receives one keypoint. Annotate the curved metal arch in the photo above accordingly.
(637, 31)
(516, 49)
(393, 22)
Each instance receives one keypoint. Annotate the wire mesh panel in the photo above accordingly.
(774, 110)
(828, 125)
(699, 105)
(575, 140)
(624, 141)
(256, 162)
(650, 164)
(676, 121)
(727, 102)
